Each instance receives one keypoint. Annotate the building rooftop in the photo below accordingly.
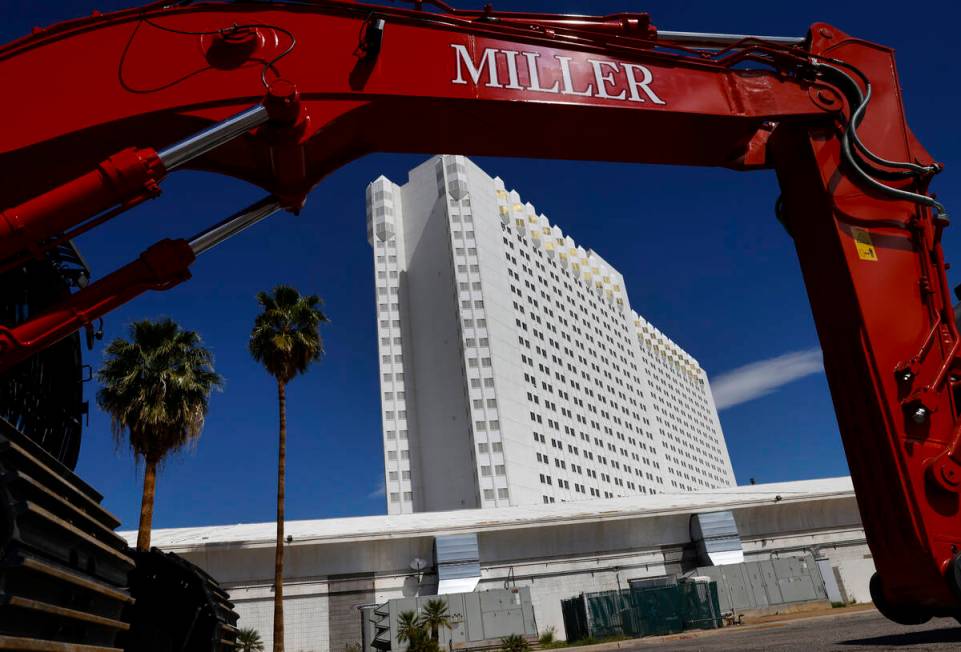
(341, 530)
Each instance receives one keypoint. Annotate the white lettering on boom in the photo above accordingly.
(607, 80)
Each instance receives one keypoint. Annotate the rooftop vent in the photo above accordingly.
(458, 563)
(715, 535)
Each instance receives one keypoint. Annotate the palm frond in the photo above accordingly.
(156, 387)
(286, 335)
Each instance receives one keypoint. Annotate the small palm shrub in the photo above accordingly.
(248, 640)
(515, 643)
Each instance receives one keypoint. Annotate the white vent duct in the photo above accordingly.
(715, 535)
(458, 563)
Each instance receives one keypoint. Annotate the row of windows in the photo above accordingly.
(611, 350)
(474, 339)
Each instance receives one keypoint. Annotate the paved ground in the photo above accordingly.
(845, 632)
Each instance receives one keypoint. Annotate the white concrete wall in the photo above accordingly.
(557, 560)
(855, 576)
(305, 615)
(443, 444)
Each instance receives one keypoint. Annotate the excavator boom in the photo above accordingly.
(280, 94)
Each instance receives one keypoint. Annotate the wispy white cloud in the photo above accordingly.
(379, 492)
(764, 377)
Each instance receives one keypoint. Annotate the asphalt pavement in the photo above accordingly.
(845, 632)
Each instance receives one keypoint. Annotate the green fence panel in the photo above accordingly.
(654, 611)
(701, 608)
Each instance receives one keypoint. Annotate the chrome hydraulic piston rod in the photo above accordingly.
(212, 137)
(240, 221)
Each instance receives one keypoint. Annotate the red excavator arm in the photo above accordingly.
(100, 109)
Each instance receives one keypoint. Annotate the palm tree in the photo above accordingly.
(411, 630)
(285, 339)
(408, 626)
(514, 643)
(249, 640)
(156, 388)
(435, 616)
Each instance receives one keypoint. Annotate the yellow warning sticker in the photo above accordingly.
(862, 240)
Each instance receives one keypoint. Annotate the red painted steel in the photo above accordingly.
(483, 83)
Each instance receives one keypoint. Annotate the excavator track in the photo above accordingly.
(63, 571)
(68, 582)
(177, 607)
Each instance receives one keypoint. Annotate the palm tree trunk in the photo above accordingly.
(146, 505)
(279, 558)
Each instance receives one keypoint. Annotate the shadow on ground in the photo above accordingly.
(948, 635)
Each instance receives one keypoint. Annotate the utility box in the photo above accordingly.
(477, 620)
(768, 583)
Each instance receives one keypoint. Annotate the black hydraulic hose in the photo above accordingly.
(850, 134)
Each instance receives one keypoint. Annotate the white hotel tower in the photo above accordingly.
(513, 370)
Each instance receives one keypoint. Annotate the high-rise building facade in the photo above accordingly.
(513, 370)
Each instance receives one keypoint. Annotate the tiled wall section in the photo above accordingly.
(346, 594)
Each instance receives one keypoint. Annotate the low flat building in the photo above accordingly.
(334, 566)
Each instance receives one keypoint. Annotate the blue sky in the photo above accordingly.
(702, 255)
